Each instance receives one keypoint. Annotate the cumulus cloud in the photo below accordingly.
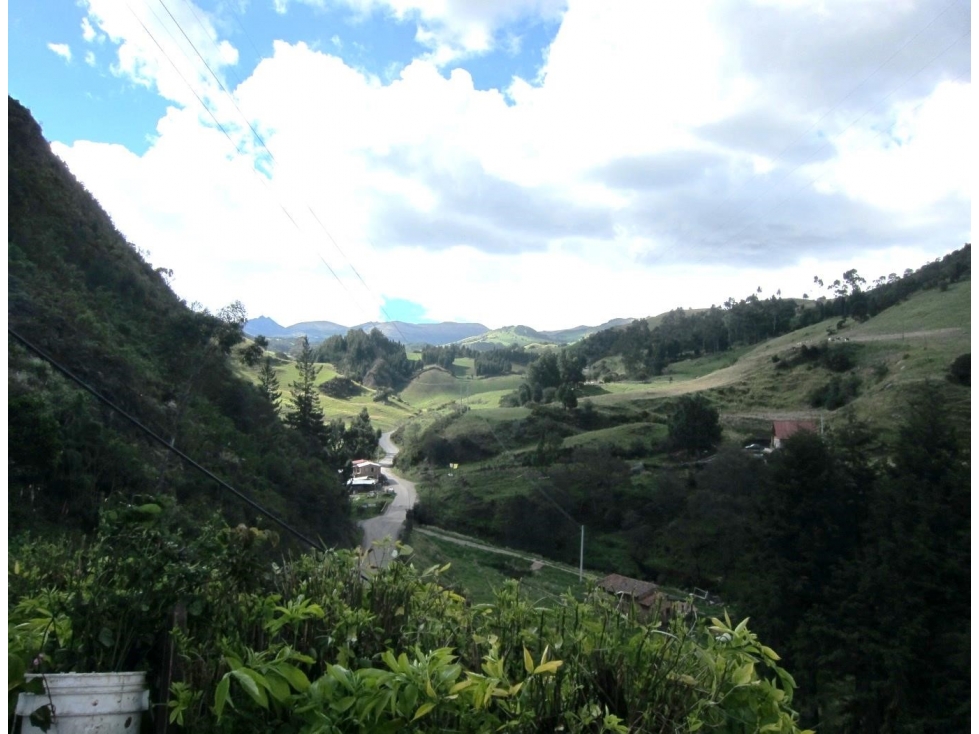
(665, 154)
(452, 29)
(62, 50)
(89, 34)
(152, 53)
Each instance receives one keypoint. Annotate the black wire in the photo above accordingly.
(251, 503)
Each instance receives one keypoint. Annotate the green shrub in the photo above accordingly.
(960, 372)
(836, 393)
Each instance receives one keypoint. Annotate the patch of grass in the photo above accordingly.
(520, 336)
(386, 416)
(464, 366)
(369, 504)
(435, 387)
(479, 573)
(925, 310)
(690, 368)
(618, 436)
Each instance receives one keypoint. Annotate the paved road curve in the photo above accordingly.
(391, 523)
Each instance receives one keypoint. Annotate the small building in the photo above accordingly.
(365, 468)
(621, 586)
(362, 484)
(781, 430)
(646, 596)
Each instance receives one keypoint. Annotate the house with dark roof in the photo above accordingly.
(781, 430)
(646, 596)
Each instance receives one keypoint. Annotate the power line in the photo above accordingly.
(223, 130)
(272, 158)
(156, 437)
(216, 78)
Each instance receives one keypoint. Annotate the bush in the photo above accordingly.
(694, 424)
(836, 393)
(838, 359)
(960, 372)
(341, 388)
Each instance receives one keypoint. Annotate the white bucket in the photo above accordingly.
(87, 703)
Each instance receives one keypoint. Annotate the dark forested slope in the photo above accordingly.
(78, 290)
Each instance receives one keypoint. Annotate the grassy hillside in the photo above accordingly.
(435, 387)
(626, 422)
(520, 336)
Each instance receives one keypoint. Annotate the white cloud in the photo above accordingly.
(451, 29)
(90, 58)
(152, 53)
(89, 34)
(61, 49)
(636, 175)
(918, 162)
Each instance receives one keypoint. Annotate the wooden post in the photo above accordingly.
(171, 671)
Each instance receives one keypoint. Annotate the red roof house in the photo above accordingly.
(781, 430)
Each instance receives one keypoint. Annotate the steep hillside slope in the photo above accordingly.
(79, 291)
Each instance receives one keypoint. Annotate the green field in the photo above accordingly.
(435, 387)
(477, 573)
(617, 435)
(508, 336)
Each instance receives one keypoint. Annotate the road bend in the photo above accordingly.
(390, 524)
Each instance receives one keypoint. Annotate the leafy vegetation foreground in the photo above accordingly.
(310, 645)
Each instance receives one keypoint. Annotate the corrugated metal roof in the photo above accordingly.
(618, 584)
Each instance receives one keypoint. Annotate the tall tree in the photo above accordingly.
(909, 602)
(307, 416)
(268, 383)
(361, 439)
(694, 424)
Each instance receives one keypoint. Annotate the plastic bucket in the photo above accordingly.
(87, 703)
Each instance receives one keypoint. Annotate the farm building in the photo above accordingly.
(781, 430)
(365, 468)
(646, 596)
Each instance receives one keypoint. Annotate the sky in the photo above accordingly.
(541, 162)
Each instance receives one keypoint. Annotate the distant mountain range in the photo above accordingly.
(316, 331)
(472, 335)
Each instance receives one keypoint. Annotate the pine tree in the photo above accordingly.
(307, 417)
(362, 439)
(268, 383)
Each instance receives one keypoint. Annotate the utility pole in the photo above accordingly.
(581, 557)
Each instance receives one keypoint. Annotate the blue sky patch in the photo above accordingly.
(400, 309)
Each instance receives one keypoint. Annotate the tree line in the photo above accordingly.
(553, 376)
(681, 334)
(369, 358)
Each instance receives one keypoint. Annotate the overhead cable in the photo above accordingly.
(159, 439)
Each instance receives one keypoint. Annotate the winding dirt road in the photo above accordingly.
(391, 523)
